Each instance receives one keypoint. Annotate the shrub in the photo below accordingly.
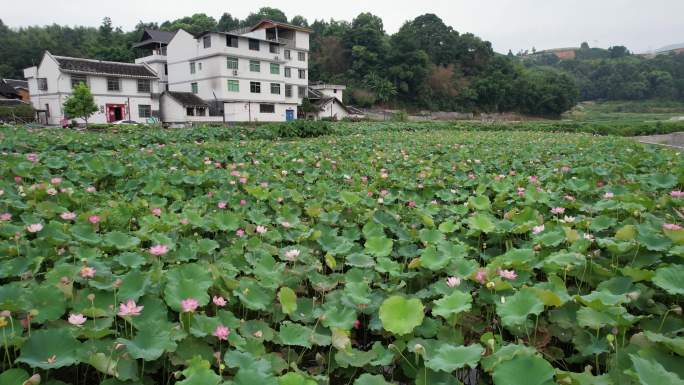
(23, 112)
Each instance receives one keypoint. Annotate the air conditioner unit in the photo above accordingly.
(235, 73)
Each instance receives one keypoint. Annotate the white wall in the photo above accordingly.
(333, 110)
(248, 111)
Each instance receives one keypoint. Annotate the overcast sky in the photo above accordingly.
(641, 25)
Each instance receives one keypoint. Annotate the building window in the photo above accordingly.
(301, 56)
(113, 84)
(288, 90)
(301, 91)
(275, 69)
(200, 111)
(288, 72)
(47, 109)
(253, 45)
(144, 85)
(207, 41)
(267, 108)
(275, 88)
(77, 79)
(288, 54)
(194, 88)
(255, 87)
(231, 41)
(233, 85)
(255, 66)
(273, 48)
(192, 67)
(302, 74)
(166, 69)
(42, 84)
(144, 110)
(190, 111)
(232, 63)
(199, 66)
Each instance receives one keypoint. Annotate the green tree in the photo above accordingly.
(299, 21)
(265, 13)
(80, 104)
(227, 22)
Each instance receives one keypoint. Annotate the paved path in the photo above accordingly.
(673, 140)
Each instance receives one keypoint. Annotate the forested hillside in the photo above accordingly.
(425, 65)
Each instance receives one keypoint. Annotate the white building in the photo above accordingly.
(327, 101)
(253, 74)
(122, 91)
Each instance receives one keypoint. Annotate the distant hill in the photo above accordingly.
(670, 47)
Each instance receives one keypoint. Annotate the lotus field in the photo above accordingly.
(430, 257)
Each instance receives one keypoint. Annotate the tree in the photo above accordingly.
(227, 23)
(299, 21)
(265, 13)
(80, 104)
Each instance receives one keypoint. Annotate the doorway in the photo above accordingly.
(115, 112)
(289, 115)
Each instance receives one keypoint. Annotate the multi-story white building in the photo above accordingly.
(259, 73)
(253, 74)
(122, 91)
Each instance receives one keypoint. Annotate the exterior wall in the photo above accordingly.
(59, 89)
(302, 40)
(175, 113)
(157, 63)
(332, 110)
(333, 92)
(249, 112)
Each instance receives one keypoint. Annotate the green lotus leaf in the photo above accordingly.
(670, 279)
(199, 373)
(430, 235)
(121, 240)
(334, 244)
(652, 373)
(227, 221)
(187, 281)
(454, 303)
(349, 198)
(85, 233)
(662, 180)
(149, 343)
(295, 334)
(370, 379)
(480, 203)
(516, 308)
(379, 246)
(523, 370)
(434, 259)
(133, 285)
(400, 315)
(293, 378)
(449, 358)
(674, 344)
(288, 300)
(14, 376)
(251, 377)
(50, 349)
(50, 303)
(354, 358)
(481, 222)
(253, 295)
(130, 259)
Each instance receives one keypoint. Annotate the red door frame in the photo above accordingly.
(110, 112)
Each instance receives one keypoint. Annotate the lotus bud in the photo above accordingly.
(491, 343)
(633, 295)
(419, 349)
(490, 285)
(677, 310)
(610, 338)
(33, 380)
(91, 297)
(177, 375)
(34, 312)
(565, 380)
(5, 313)
(503, 299)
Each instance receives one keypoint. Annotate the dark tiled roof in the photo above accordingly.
(72, 64)
(314, 94)
(155, 36)
(281, 24)
(7, 91)
(187, 99)
(17, 83)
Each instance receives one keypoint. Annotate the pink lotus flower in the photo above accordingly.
(240, 233)
(87, 272)
(51, 192)
(557, 210)
(129, 309)
(67, 215)
(77, 319)
(222, 205)
(243, 202)
(34, 227)
(56, 181)
(357, 324)
(32, 157)
(672, 227)
(537, 229)
(481, 276)
(219, 301)
(156, 211)
(453, 281)
(261, 229)
(243, 180)
(677, 194)
(569, 198)
(18, 179)
(533, 179)
(159, 250)
(285, 224)
(221, 332)
(94, 219)
(508, 274)
(411, 204)
(91, 189)
(292, 254)
(184, 221)
(608, 195)
(189, 305)
(521, 192)
(5, 217)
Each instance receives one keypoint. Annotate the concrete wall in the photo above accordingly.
(333, 110)
(249, 112)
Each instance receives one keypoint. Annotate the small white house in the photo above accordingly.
(122, 91)
(183, 109)
(328, 104)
